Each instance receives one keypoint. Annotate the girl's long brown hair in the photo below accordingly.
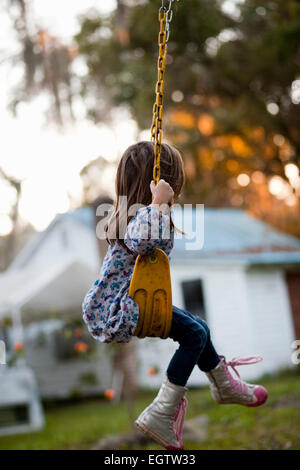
(134, 175)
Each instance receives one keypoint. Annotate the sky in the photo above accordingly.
(47, 161)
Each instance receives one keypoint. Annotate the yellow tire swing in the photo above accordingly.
(150, 285)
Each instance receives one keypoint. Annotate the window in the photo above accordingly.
(12, 415)
(71, 340)
(194, 298)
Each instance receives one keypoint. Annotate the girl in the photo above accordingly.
(111, 314)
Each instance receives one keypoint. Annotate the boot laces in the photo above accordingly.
(239, 361)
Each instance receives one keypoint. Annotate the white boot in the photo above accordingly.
(227, 389)
(163, 419)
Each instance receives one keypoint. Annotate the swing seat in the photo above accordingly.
(150, 288)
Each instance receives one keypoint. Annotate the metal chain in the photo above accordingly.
(164, 17)
(156, 129)
(169, 18)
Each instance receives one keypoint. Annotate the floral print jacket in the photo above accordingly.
(110, 314)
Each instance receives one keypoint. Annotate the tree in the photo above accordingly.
(231, 101)
(231, 92)
(46, 64)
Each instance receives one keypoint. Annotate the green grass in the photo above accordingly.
(275, 425)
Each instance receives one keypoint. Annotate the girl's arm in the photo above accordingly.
(151, 227)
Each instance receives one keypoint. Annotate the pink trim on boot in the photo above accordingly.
(178, 424)
(261, 394)
(178, 421)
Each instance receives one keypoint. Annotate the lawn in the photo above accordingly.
(275, 425)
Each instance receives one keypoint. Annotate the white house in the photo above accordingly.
(42, 291)
(244, 281)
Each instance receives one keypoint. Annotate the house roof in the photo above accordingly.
(212, 236)
(233, 235)
(83, 216)
(60, 287)
(229, 235)
(224, 235)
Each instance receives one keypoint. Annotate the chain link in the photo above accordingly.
(165, 16)
(169, 15)
(169, 18)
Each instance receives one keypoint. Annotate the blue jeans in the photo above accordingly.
(193, 336)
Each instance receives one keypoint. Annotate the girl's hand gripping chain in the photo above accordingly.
(162, 192)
